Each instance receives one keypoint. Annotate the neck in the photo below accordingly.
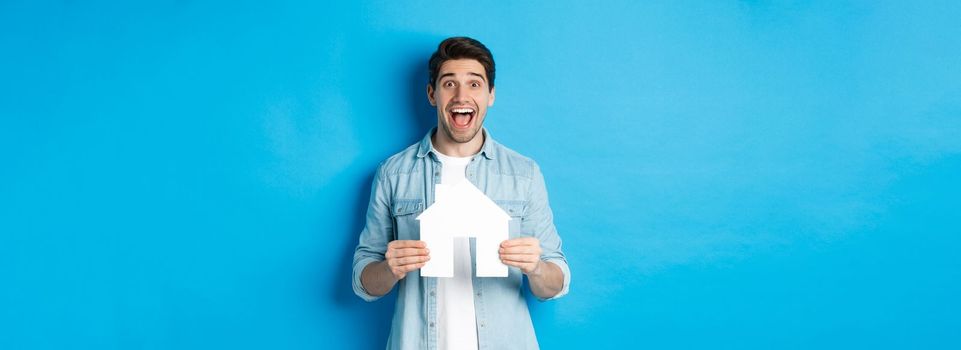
(449, 147)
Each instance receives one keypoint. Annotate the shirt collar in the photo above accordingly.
(427, 146)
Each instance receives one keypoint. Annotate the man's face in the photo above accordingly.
(461, 97)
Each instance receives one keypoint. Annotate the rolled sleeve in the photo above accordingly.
(540, 222)
(377, 232)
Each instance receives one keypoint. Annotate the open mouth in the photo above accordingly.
(461, 117)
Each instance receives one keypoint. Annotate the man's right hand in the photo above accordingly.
(404, 256)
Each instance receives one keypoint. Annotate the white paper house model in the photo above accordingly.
(462, 210)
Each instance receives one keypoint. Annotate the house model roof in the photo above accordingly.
(462, 202)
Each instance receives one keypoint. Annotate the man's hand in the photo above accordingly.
(546, 278)
(523, 253)
(404, 256)
(400, 258)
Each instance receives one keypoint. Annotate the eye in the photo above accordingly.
(448, 83)
(475, 84)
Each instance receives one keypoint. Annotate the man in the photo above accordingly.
(462, 312)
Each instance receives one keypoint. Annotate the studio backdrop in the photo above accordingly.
(723, 174)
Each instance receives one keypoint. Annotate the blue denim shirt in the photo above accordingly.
(403, 187)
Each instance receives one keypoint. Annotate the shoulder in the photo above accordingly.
(511, 162)
(400, 163)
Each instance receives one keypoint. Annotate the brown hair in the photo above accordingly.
(461, 47)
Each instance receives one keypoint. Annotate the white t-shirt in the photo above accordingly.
(455, 295)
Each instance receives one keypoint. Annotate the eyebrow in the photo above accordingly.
(442, 76)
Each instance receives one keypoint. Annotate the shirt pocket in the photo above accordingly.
(405, 213)
(517, 209)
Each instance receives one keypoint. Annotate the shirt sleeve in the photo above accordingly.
(377, 232)
(540, 222)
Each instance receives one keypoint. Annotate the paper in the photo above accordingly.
(462, 210)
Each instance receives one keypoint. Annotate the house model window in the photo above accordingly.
(462, 210)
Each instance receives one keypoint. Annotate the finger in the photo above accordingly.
(410, 260)
(520, 257)
(521, 265)
(403, 244)
(521, 250)
(520, 242)
(406, 244)
(511, 243)
(405, 252)
(408, 268)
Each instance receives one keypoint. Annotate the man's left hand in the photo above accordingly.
(523, 253)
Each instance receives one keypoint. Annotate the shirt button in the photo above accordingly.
(431, 293)
(432, 324)
(478, 294)
(482, 324)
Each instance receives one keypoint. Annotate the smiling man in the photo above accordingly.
(464, 311)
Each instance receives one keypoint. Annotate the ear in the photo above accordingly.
(430, 95)
(491, 102)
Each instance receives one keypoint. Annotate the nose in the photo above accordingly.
(460, 94)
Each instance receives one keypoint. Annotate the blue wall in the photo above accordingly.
(725, 174)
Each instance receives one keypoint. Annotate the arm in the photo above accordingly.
(402, 257)
(546, 281)
(379, 262)
(539, 256)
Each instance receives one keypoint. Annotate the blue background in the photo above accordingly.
(724, 174)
